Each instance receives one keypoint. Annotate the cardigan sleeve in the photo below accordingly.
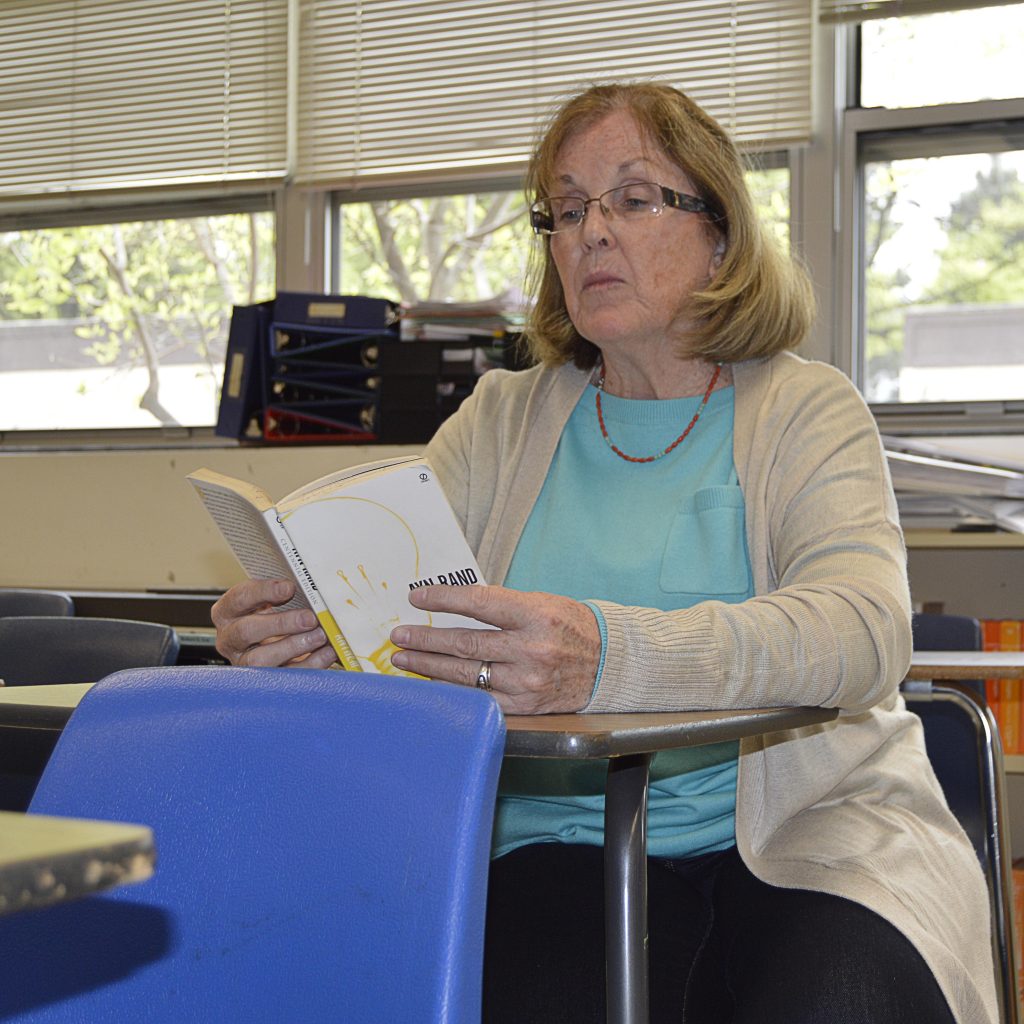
(830, 624)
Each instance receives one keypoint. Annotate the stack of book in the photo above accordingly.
(936, 489)
(322, 379)
(489, 319)
(1004, 696)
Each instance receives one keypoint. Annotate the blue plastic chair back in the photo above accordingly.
(963, 746)
(322, 841)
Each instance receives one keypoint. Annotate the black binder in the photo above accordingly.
(334, 368)
(241, 396)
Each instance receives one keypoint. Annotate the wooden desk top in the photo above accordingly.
(583, 736)
(45, 860)
(592, 735)
(967, 665)
(40, 707)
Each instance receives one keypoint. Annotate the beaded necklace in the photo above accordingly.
(679, 440)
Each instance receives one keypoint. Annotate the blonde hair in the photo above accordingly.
(759, 301)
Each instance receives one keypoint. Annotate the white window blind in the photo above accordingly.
(399, 90)
(122, 94)
(864, 10)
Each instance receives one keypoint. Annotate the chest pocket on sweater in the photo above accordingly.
(706, 551)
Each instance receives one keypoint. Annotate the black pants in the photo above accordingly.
(724, 948)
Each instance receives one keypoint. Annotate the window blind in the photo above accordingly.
(864, 10)
(395, 90)
(122, 94)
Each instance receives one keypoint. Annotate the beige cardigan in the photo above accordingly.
(851, 807)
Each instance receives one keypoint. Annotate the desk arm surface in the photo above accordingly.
(45, 860)
(596, 736)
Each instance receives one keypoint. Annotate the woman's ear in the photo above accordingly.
(717, 255)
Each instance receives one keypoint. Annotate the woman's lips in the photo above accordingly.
(596, 280)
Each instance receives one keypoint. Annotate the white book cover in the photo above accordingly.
(360, 541)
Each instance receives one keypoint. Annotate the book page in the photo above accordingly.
(247, 533)
(369, 542)
(208, 480)
(336, 479)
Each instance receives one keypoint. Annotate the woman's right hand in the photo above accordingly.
(251, 631)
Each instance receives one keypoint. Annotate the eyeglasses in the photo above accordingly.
(627, 202)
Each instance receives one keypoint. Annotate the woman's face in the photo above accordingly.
(627, 283)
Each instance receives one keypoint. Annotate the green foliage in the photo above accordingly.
(884, 289)
(770, 190)
(983, 261)
(980, 261)
(181, 274)
(464, 247)
(141, 291)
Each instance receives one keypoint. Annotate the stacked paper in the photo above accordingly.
(939, 489)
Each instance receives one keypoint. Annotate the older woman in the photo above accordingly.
(683, 514)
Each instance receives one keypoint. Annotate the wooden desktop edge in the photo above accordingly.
(46, 860)
(618, 735)
(966, 665)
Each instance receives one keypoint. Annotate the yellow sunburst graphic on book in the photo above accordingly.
(394, 560)
(369, 599)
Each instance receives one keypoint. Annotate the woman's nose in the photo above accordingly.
(595, 229)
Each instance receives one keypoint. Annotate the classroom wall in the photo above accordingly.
(986, 583)
(130, 520)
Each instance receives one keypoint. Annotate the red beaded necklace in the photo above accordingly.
(679, 440)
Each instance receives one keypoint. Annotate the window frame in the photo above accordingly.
(825, 224)
(859, 129)
(118, 210)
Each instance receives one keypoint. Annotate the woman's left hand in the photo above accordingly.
(544, 653)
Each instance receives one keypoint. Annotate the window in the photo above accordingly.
(466, 247)
(934, 225)
(944, 277)
(470, 246)
(984, 46)
(138, 150)
(124, 324)
(437, 90)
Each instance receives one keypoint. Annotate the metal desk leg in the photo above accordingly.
(625, 889)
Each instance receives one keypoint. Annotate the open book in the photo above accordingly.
(355, 542)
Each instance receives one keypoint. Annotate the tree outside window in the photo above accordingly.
(124, 324)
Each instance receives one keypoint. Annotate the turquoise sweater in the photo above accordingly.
(606, 528)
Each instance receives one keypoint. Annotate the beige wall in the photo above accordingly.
(130, 520)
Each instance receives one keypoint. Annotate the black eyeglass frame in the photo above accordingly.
(545, 225)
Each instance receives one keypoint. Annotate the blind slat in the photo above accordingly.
(391, 89)
(121, 94)
(834, 11)
(124, 94)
